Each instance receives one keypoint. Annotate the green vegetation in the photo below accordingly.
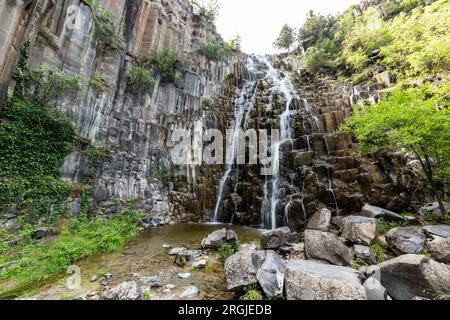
(286, 38)
(140, 78)
(252, 293)
(378, 251)
(226, 251)
(416, 120)
(384, 226)
(214, 48)
(164, 61)
(99, 82)
(408, 38)
(34, 142)
(79, 238)
(207, 8)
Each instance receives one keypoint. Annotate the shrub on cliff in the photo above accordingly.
(139, 78)
(415, 120)
(212, 48)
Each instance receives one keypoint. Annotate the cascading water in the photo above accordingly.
(241, 114)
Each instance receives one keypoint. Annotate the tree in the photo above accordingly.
(285, 39)
(207, 8)
(415, 120)
(316, 28)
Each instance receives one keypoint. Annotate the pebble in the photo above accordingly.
(184, 275)
(94, 278)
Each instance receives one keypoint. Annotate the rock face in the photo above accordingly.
(360, 229)
(218, 238)
(240, 269)
(377, 213)
(271, 275)
(307, 280)
(321, 220)
(326, 247)
(406, 240)
(410, 276)
(125, 291)
(275, 239)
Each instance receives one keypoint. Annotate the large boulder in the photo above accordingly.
(218, 238)
(361, 230)
(240, 268)
(308, 280)
(271, 274)
(274, 239)
(129, 290)
(412, 275)
(326, 247)
(373, 286)
(439, 248)
(378, 213)
(321, 220)
(406, 240)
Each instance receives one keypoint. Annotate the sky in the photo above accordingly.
(260, 21)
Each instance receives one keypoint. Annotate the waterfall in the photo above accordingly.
(242, 110)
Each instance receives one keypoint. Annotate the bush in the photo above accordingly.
(140, 78)
(315, 59)
(252, 293)
(213, 48)
(99, 82)
(226, 251)
(164, 61)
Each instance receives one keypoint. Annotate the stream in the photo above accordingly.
(147, 256)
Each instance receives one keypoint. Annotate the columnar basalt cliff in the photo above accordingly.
(132, 128)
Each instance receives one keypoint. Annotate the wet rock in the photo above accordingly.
(275, 239)
(175, 251)
(125, 291)
(437, 230)
(150, 282)
(326, 247)
(411, 275)
(184, 276)
(187, 258)
(321, 220)
(439, 249)
(240, 269)
(358, 229)
(200, 264)
(271, 274)
(363, 254)
(406, 240)
(218, 238)
(190, 292)
(378, 213)
(308, 280)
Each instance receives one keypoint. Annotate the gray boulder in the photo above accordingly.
(308, 280)
(374, 288)
(240, 269)
(321, 220)
(274, 239)
(326, 247)
(437, 230)
(151, 282)
(218, 238)
(433, 209)
(406, 240)
(190, 292)
(378, 213)
(361, 230)
(412, 275)
(271, 275)
(363, 254)
(439, 248)
(187, 258)
(175, 251)
(129, 290)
